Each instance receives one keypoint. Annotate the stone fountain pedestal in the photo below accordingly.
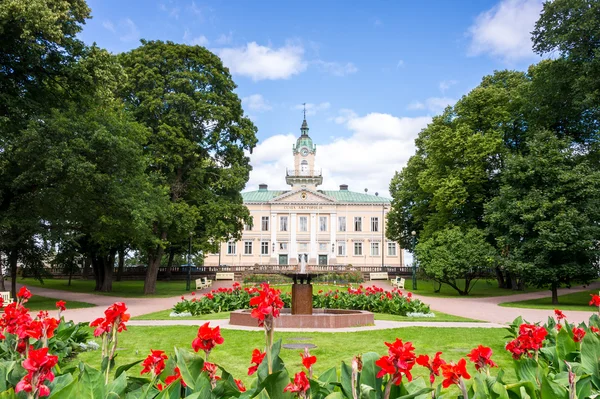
(302, 294)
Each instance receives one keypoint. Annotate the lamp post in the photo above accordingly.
(414, 267)
(189, 266)
(382, 236)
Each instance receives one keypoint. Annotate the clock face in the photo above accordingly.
(304, 152)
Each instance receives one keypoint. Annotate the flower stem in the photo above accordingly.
(463, 389)
(388, 388)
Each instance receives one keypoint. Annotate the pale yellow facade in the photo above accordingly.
(326, 227)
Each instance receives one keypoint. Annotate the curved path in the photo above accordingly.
(484, 309)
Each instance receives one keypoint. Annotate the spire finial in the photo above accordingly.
(304, 104)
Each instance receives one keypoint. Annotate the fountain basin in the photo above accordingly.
(320, 318)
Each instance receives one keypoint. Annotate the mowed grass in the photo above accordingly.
(37, 302)
(481, 289)
(332, 348)
(574, 301)
(125, 289)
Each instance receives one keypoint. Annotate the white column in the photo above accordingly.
(274, 246)
(312, 257)
(293, 245)
(332, 237)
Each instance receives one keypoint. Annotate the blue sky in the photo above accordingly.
(373, 73)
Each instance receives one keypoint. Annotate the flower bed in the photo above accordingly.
(372, 299)
(557, 360)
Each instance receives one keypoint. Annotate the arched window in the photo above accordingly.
(304, 168)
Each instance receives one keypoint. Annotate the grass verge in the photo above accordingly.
(574, 301)
(43, 303)
(481, 289)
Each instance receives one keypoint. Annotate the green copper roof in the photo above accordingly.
(341, 196)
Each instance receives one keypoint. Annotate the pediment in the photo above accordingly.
(303, 196)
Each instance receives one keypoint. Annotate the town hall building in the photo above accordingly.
(325, 227)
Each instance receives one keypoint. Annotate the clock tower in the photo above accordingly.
(304, 175)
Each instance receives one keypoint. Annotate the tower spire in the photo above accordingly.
(304, 127)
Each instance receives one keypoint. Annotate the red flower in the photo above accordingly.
(160, 386)
(154, 363)
(307, 359)
(434, 366)
(481, 357)
(24, 294)
(454, 372)
(257, 358)
(61, 305)
(595, 300)
(174, 377)
(211, 370)
(559, 315)
(531, 338)
(267, 302)
(240, 385)
(595, 329)
(39, 369)
(210, 296)
(115, 314)
(207, 338)
(236, 286)
(559, 327)
(300, 384)
(193, 293)
(578, 334)
(399, 362)
(1, 302)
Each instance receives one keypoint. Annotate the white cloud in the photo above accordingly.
(438, 104)
(225, 39)
(446, 84)
(504, 31)
(199, 41)
(256, 102)
(416, 105)
(312, 109)
(109, 26)
(336, 68)
(129, 29)
(344, 116)
(262, 62)
(378, 145)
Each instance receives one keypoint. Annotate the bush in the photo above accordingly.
(340, 277)
(263, 278)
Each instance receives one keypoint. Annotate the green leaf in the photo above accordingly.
(91, 383)
(367, 392)
(551, 389)
(117, 387)
(590, 354)
(59, 383)
(10, 394)
(125, 367)
(346, 380)
(336, 395)
(172, 391)
(190, 365)
(368, 375)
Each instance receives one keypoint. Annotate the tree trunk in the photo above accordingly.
(98, 269)
(154, 259)
(554, 290)
(70, 274)
(121, 264)
(500, 278)
(87, 265)
(170, 264)
(2, 287)
(104, 266)
(13, 258)
(514, 284)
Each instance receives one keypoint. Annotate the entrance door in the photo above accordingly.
(283, 259)
(323, 260)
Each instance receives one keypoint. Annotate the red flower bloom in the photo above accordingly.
(257, 358)
(174, 377)
(39, 369)
(193, 293)
(307, 359)
(154, 363)
(207, 338)
(559, 315)
(454, 372)
(595, 300)
(61, 305)
(211, 370)
(595, 329)
(481, 357)
(399, 362)
(434, 366)
(210, 296)
(115, 314)
(236, 286)
(267, 302)
(578, 334)
(240, 385)
(300, 384)
(559, 327)
(24, 294)
(531, 338)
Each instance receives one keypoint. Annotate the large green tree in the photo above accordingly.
(545, 218)
(197, 145)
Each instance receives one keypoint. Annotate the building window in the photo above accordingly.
(283, 223)
(283, 246)
(264, 224)
(391, 249)
(375, 224)
(303, 246)
(374, 249)
(264, 248)
(358, 249)
(341, 248)
(303, 223)
(342, 223)
(322, 223)
(322, 246)
(247, 247)
(358, 223)
(248, 227)
(231, 248)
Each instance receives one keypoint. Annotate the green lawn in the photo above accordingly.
(332, 348)
(126, 289)
(482, 288)
(43, 303)
(574, 301)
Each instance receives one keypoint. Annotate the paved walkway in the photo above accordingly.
(484, 309)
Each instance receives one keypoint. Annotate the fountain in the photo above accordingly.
(302, 314)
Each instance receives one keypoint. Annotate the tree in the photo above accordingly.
(545, 218)
(452, 254)
(184, 95)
